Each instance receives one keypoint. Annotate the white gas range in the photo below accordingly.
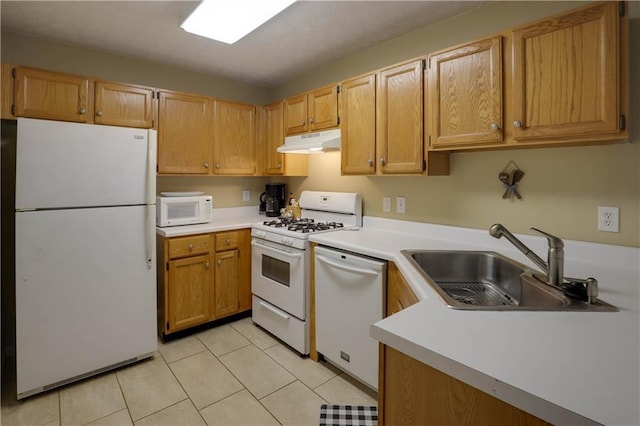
(280, 262)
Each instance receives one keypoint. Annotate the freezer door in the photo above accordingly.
(77, 165)
(85, 296)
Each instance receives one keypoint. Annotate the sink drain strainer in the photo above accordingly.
(476, 293)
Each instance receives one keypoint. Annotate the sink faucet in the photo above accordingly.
(554, 267)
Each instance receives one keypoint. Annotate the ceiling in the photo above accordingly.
(303, 37)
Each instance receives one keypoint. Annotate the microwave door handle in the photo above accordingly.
(286, 253)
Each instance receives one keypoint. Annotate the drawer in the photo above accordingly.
(227, 240)
(189, 246)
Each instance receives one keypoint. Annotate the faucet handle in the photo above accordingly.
(554, 242)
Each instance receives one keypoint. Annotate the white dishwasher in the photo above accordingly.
(348, 300)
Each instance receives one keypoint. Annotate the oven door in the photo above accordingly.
(279, 275)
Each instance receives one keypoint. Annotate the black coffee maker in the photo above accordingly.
(273, 199)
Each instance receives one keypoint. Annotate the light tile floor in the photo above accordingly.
(233, 374)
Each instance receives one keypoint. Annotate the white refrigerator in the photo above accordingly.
(85, 251)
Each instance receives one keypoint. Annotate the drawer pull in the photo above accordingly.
(228, 241)
(190, 247)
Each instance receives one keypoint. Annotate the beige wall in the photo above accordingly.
(562, 186)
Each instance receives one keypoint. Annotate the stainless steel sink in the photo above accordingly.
(483, 280)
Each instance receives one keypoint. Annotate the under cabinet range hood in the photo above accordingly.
(310, 143)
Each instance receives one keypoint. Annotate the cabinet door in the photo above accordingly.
(190, 283)
(465, 95)
(184, 133)
(295, 115)
(226, 284)
(399, 293)
(274, 137)
(50, 95)
(399, 144)
(123, 105)
(566, 75)
(233, 138)
(323, 108)
(358, 124)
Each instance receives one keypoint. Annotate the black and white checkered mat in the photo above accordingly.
(348, 415)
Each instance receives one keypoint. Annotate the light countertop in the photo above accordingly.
(564, 367)
(225, 219)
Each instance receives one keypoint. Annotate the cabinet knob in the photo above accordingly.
(302, 123)
(206, 165)
(382, 161)
(82, 111)
(207, 265)
(228, 241)
(495, 126)
(311, 120)
(370, 162)
(217, 165)
(517, 124)
(219, 262)
(99, 113)
(190, 247)
(279, 165)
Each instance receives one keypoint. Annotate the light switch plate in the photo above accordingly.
(401, 205)
(246, 195)
(386, 204)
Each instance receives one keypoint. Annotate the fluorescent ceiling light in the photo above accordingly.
(230, 20)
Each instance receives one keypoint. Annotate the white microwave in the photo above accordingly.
(174, 211)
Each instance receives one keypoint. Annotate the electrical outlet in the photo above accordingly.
(386, 204)
(608, 219)
(246, 195)
(401, 205)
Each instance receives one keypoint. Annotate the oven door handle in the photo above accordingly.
(286, 253)
(346, 267)
(275, 311)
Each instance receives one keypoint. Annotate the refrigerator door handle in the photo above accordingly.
(151, 166)
(150, 230)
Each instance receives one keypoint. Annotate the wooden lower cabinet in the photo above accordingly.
(413, 393)
(202, 278)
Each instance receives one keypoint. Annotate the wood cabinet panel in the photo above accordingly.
(227, 240)
(399, 293)
(189, 301)
(358, 125)
(323, 108)
(50, 95)
(189, 246)
(566, 75)
(234, 138)
(227, 290)
(274, 137)
(126, 105)
(399, 145)
(465, 94)
(184, 133)
(295, 115)
(417, 394)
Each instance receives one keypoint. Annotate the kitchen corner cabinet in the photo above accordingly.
(270, 136)
(118, 104)
(569, 76)
(464, 95)
(311, 111)
(358, 125)
(202, 278)
(399, 146)
(185, 136)
(50, 95)
(234, 129)
(411, 392)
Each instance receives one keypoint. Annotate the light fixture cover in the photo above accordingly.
(230, 20)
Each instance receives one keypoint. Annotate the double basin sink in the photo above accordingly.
(483, 280)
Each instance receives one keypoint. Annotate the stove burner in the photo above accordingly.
(303, 225)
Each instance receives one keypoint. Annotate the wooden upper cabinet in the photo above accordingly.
(184, 133)
(50, 95)
(464, 95)
(399, 145)
(323, 108)
(273, 138)
(567, 76)
(126, 105)
(358, 125)
(233, 138)
(295, 115)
